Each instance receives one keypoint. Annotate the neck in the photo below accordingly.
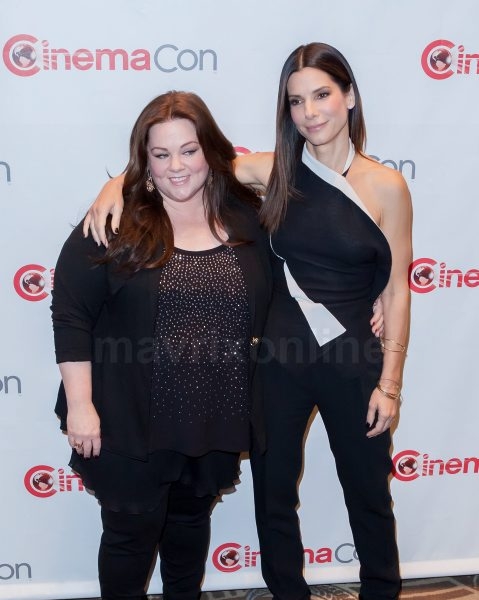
(333, 154)
(190, 210)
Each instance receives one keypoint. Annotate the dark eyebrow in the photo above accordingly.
(320, 89)
(182, 145)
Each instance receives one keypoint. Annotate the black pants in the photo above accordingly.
(363, 466)
(179, 527)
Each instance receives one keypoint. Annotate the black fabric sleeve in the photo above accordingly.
(80, 288)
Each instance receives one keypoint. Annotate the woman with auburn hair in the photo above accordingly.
(156, 338)
(340, 232)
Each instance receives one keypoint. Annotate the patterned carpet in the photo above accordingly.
(438, 588)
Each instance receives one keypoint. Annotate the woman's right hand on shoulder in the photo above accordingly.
(108, 201)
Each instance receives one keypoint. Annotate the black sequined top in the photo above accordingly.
(201, 350)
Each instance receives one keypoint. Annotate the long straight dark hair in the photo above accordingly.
(289, 142)
(146, 236)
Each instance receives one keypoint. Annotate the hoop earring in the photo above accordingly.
(150, 186)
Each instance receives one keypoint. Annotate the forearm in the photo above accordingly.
(254, 169)
(396, 334)
(83, 423)
(76, 378)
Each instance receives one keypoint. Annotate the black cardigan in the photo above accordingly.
(108, 318)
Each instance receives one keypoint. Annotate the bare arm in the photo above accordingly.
(251, 169)
(83, 423)
(377, 320)
(254, 169)
(108, 201)
(396, 224)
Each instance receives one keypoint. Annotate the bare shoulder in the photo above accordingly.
(255, 168)
(388, 186)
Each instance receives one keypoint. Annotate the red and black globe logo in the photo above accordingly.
(33, 282)
(21, 54)
(437, 59)
(422, 275)
(227, 557)
(405, 465)
(24, 55)
(40, 482)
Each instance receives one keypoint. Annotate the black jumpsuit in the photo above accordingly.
(331, 262)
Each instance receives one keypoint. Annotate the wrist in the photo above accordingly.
(389, 387)
(391, 384)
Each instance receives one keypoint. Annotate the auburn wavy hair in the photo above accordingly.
(145, 239)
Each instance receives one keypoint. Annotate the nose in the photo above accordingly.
(176, 163)
(309, 109)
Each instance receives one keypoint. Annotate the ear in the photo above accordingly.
(350, 98)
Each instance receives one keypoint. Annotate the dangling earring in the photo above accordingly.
(150, 186)
(209, 179)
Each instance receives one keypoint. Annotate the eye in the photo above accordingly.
(323, 95)
(294, 102)
(161, 155)
(190, 151)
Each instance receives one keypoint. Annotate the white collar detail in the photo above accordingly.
(335, 179)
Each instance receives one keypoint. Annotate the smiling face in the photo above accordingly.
(318, 106)
(176, 161)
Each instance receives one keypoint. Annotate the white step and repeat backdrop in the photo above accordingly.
(73, 78)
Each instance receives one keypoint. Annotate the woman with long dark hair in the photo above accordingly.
(156, 338)
(340, 226)
(340, 232)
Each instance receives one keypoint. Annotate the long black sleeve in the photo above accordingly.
(80, 288)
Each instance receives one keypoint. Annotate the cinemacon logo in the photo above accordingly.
(15, 571)
(410, 464)
(33, 282)
(231, 557)
(426, 274)
(25, 55)
(441, 59)
(44, 481)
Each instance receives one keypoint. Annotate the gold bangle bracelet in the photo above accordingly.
(388, 394)
(383, 341)
(392, 381)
